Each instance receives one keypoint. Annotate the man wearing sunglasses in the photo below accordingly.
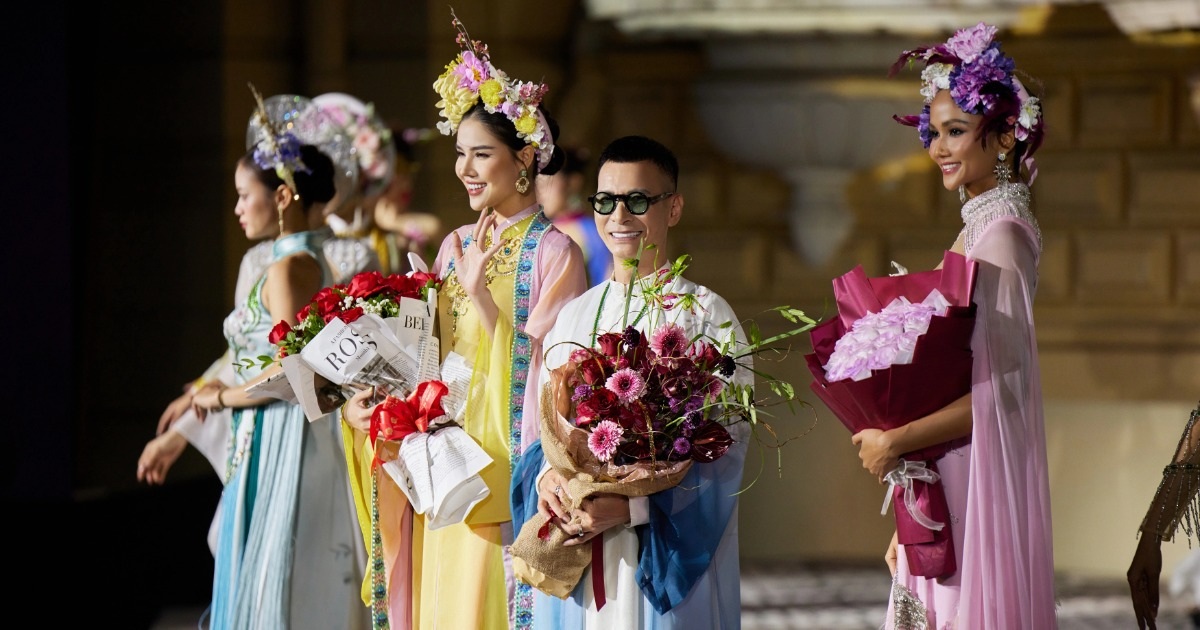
(671, 559)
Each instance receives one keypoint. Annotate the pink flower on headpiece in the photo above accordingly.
(968, 43)
(471, 72)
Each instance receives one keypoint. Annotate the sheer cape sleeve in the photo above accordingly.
(1007, 556)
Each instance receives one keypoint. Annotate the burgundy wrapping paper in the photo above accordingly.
(939, 374)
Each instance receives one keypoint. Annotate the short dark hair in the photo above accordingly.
(642, 149)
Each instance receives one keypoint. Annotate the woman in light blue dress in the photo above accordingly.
(285, 542)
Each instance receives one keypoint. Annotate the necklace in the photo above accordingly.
(503, 263)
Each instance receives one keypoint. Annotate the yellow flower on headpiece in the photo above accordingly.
(525, 124)
(491, 92)
(456, 100)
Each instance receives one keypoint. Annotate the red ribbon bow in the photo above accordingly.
(396, 418)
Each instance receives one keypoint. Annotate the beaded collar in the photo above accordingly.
(1005, 200)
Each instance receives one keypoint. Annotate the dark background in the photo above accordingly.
(105, 105)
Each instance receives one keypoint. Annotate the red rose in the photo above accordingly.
(351, 315)
(279, 332)
(633, 418)
(402, 285)
(303, 314)
(593, 372)
(328, 303)
(599, 405)
(610, 344)
(706, 356)
(366, 284)
(424, 279)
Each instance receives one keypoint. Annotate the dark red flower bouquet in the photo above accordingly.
(885, 392)
(651, 400)
(631, 414)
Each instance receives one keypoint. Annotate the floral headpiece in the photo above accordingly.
(471, 77)
(370, 138)
(981, 81)
(275, 148)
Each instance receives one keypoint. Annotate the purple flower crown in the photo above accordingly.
(275, 150)
(981, 80)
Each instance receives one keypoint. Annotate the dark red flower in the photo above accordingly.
(710, 442)
(609, 344)
(351, 315)
(593, 372)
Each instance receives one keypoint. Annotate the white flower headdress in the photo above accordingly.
(471, 78)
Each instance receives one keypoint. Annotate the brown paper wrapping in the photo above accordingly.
(547, 565)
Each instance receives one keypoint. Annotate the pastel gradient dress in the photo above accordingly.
(285, 539)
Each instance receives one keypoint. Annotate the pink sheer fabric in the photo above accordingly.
(998, 486)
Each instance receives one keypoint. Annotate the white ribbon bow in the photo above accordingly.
(903, 476)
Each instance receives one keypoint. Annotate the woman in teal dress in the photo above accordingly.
(285, 548)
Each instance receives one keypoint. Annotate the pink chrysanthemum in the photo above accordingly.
(605, 438)
(627, 384)
(669, 340)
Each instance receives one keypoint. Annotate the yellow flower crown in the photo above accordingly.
(471, 78)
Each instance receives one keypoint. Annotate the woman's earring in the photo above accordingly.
(1003, 172)
(962, 194)
(523, 182)
(279, 213)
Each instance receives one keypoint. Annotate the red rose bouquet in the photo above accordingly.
(900, 349)
(375, 330)
(367, 292)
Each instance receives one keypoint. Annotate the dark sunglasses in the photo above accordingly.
(636, 203)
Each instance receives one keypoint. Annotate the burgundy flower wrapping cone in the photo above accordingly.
(940, 373)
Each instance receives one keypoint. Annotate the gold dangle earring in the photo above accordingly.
(523, 182)
(279, 213)
(1003, 173)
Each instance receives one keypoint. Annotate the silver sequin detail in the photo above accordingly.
(908, 613)
(1006, 200)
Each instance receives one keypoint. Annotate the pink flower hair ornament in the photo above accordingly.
(471, 78)
(981, 80)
